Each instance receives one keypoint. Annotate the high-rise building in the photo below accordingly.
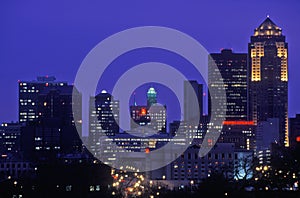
(104, 119)
(151, 96)
(154, 115)
(28, 96)
(55, 102)
(294, 124)
(193, 108)
(233, 69)
(268, 77)
(51, 129)
(232, 66)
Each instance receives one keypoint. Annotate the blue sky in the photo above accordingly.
(52, 38)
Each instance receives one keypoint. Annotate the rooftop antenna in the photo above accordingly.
(134, 101)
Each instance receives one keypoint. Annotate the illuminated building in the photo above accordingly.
(189, 166)
(294, 124)
(192, 108)
(267, 134)
(268, 77)
(53, 131)
(139, 115)
(56, 102)
(153, 116)
(28, 96)
(194, 122)
(233, 69)
(10, 138)
(222, 158)
(151, 97)
(241, 133)
(104, 118)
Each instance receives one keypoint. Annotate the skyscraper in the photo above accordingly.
(56, 102)
(233, 69)
(28, 96)
(268, 76)
(104, 119)
(46, 108)
(151, 97)
(193, 108)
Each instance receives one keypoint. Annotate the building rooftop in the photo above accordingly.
(268, 27)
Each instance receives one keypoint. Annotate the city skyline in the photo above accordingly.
(62, 59)
(150, 99)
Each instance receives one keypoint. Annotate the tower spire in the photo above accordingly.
(134, 101)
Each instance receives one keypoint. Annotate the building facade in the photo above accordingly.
(10, 138)
(192, 108)
(52, 130)
(152, 115)
(28, 96)
(268, 77)
(103, 120)
(294, 125)
(241, 133)
(233, 69)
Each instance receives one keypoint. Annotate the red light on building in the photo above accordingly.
(210, 142)
(298, 139)
(147, 150)
(143, 111)
(238, 122)
(47, 84)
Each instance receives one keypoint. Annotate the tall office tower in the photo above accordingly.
(151, 96)
(192, 108)
(104, 120)
(233, 69)
(294, 125)
(52, 130)
(106, 113)
(154, 115)
(268, 76)
(56, 102)
(28, 96)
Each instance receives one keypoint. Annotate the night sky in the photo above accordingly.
(53, 38)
